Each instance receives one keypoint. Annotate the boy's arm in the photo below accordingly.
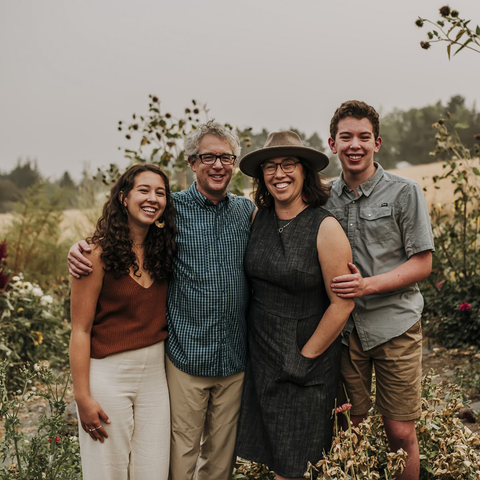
(415, 269)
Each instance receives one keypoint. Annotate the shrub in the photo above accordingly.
(447, 449)
(52, 452)
(37, 245)
(33, 326)
(452, 304)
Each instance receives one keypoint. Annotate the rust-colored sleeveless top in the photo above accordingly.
(128, 316)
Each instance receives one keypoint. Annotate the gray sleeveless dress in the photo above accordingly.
(286, 413)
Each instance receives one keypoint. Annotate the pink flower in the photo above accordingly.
(440, 284)
(344, 407)
(465, 306)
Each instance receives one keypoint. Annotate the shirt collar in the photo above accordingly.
(202, 199)
(366, 187)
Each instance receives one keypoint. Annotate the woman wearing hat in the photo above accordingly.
(294, 321)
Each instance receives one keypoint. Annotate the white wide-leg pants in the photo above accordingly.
(131, 387)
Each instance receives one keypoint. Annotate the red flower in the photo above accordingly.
(49, 440)
(465, 306)
(57, 439)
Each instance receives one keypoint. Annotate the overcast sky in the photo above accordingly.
(70, 69)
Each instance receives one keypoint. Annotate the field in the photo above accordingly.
(75, 221)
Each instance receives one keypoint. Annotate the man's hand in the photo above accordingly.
(350, 286)
(78, 264)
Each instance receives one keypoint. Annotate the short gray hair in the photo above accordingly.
(193, 139)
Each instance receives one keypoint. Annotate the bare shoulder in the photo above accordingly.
(97, 274)
(330, 226)
(95, 255)
(332, 241)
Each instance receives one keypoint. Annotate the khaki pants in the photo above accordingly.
(204, 424)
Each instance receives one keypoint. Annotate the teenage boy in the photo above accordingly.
(388, 225)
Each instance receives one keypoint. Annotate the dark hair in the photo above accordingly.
(314, 192)
(112, 232)
(356, 109)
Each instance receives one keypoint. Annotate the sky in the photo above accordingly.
(71, 69)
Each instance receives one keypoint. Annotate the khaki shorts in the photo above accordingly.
(398, 374)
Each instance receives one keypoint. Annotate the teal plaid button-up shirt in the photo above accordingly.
(208, 292)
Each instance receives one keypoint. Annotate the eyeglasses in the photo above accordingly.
(211, 158)
(288, 166)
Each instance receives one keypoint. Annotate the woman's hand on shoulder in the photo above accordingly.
(91, 417)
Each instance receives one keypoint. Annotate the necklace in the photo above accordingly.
(281, 229)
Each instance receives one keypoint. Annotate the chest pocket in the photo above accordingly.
(376, 224)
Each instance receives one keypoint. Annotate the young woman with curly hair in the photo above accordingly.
(118, 317)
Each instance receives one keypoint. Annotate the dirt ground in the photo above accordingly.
(447, 364)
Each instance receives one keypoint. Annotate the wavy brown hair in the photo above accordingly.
(315, 193)
(356, 109)
(112, 232)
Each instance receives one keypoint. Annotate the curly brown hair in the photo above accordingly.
(356, 109)
(315, 193)
(112, 232)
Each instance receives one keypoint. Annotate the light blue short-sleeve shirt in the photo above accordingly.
(386, 224)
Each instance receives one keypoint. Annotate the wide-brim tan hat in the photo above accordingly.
(282, 144)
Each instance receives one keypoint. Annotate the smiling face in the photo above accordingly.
(213, 180)
(355, 145)
(147, 200)
(285, 188)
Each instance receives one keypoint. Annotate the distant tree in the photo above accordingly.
(25, 174)
(9, 193)
(66, 183)
(407, 135)
(66, 180)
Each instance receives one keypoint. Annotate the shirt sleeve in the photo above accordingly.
(415, 221)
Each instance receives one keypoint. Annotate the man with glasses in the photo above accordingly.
(206, 307)
(207, 302)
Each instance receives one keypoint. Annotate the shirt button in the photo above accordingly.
(369, 214)
(351, 224)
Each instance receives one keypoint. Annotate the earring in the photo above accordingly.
(160, 224)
